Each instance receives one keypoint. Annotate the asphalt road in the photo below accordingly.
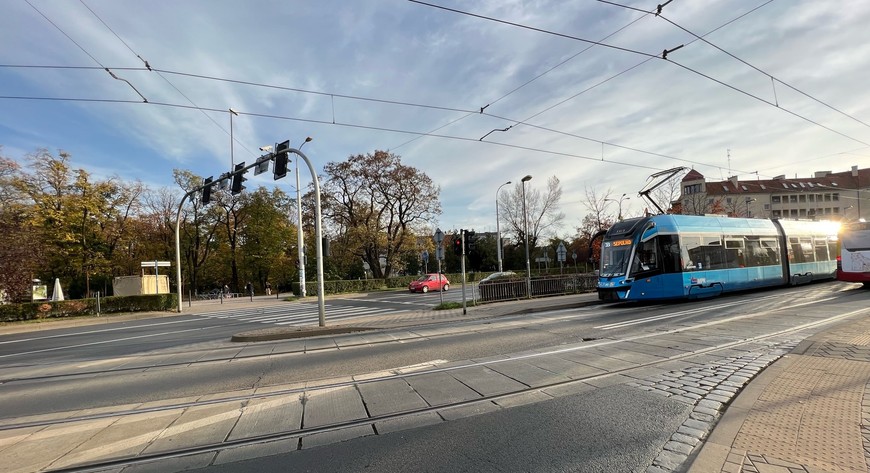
(612, 429)
(608, 427)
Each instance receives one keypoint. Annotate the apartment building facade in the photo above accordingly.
(825, 196)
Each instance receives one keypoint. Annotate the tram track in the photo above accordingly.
(372, 419)
(477, 326)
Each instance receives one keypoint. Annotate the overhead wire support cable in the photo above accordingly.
(757, 69)
(795, 114)
(85, 50)
(148, 67)
(532, 28)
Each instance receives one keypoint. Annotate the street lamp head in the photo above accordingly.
(307, 139)
(506, 183)
(266, 148)
(234, 112)
(527, 178)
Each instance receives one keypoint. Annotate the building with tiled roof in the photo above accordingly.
(825, 196)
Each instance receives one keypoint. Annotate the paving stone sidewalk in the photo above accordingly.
(807, 413)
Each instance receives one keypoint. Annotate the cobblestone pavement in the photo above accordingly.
(709, 389)
(811, 414)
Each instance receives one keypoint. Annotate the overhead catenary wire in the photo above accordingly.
(773, 78)
(148, 67)
(111, 74)
(386, 101)
(562, 35)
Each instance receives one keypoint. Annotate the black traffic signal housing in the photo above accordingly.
(282, 157)
(470, 241)
(457, 245)
(238, 178)
(206, 190)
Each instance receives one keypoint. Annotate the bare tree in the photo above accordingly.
(377, 204)
(542, 209)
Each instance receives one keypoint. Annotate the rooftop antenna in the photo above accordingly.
(728, 152)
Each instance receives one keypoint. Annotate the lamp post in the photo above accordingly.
(619, 202)
(232, 142)
(300, 242)
(526, 234)
(497, 228)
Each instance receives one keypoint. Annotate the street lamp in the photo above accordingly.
(232, 143)
(619, 202)
(526, 233)
(497, 229)
(299, 240)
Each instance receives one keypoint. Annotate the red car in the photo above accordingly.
(429, 282)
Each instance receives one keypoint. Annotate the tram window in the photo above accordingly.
(708, 253)
(771, 248)
(755, 254)
(688, 248)
(669, 248)
(821, 246)
(645, 257)
(794, 251)
(806, 247)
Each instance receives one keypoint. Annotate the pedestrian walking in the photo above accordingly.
(268, 288)
(250, 289)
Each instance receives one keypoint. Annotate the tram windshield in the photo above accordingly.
(614, 258)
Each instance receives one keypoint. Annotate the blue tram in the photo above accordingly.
(685, 256)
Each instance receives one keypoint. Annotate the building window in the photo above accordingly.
(793, 213)
(836, 197)
(766, 206)
(777, 213)
(775, 199)
(827, 197)
(692, 189)
(792, 199)
(802, 198)
(812, 197)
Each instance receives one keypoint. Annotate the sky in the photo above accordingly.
(579, 86)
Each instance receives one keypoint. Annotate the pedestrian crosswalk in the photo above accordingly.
(298, 314)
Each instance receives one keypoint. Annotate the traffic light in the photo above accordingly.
(470, 241)
(206, 191)
(238, 178)
(457, 245)
(282, 156)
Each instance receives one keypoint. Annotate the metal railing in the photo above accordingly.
(515, 289)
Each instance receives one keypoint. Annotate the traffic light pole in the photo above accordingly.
(462, 264)
(318, 231)
(321, 307)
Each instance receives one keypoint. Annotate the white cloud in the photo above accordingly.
(406, 52)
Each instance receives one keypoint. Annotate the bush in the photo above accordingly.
(79, 307)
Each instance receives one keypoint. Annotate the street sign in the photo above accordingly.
(439, 249)
(424, 256)
(561, 252)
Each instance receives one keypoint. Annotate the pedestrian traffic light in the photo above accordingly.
(457, 245)
(238, 178)
(470, 241)
(206, 190)
(282, 157)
